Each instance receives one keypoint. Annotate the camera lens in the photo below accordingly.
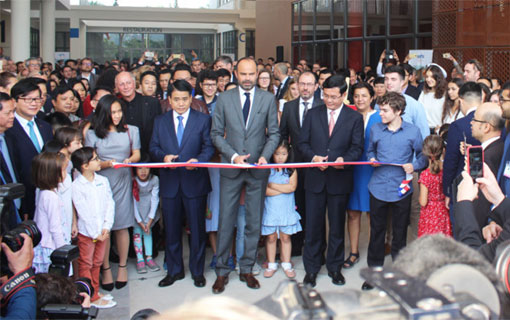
(14, 239)
(84, 285)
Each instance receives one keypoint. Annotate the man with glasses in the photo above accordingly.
(330, 132)
(504, 168)
(294, 113)
(29, 135)
(33, 65)
(486, 127)
(86, 67)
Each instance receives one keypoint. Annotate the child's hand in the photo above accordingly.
(408, 168)
(141, 225)
(149, 224)
(74, 231)
(105, 234)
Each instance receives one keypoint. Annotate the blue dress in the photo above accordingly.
(280, 213)
(359, 198)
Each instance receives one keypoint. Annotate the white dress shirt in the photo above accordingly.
(302, 108)
(486, 143)
(94, 205)
(24, 125)
(335, 114)
(243, 99)
(185, 117)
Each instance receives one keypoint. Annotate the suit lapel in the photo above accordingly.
(171, 129)
(238, 108)
(42, 132)
(338, 120)
(324, 120)
(296, 114)
(20, 132)
(254, 109)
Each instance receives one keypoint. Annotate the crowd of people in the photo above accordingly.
(63, 127)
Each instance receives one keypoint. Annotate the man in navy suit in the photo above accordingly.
(182, 134)
(330, 132)
(28, 135)
(460, 130)
(504, 167)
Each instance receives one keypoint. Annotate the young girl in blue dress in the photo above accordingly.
(280, 219)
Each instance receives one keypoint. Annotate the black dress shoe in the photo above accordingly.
(219, 284)
(199, 281)
(337, 278)
(250, 280)
(366, 286)
(311, 279)
(169, 280)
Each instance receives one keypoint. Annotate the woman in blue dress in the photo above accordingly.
(363, 95)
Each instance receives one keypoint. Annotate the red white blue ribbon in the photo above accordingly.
(405, 186)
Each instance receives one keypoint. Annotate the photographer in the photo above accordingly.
(18, 295)
(494, 233)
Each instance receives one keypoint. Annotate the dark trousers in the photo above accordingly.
(379, 209)
(298, 239)
(316, 204)
(173, 214)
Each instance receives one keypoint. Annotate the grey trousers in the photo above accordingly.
(230, 194)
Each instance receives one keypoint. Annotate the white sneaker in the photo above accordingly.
(104, 304)
(256, 269)
(106, 296)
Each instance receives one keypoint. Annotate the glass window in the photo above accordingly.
(355, 18)
(307, 20)
(376, 17)
(424, 17)
(338, 54)
(323, 54)
(402, 47)
(338, 19)
(218, 44)
(307, 52)
(323, 19)
(355, 57)
(230, 42)
(250, 42)
(62, 41)
(425, 43)
(34, 42)
(401, 16)
(373, 52)
(295, 19)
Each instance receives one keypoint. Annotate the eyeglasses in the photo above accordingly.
(264, 78)
(209, 85)
(31, 100)
(303, 84)
(479, 121)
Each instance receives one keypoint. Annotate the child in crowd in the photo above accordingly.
(93, 200)
(72, 140)
(280, 219)
(146, 200)
(434, 216)
(48, 170)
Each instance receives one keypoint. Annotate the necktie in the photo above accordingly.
(246, 107)
(331, 122)
(33, 137)
(180, 130)
(305, 104)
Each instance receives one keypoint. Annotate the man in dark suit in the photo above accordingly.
(182, 134)
(280, 73)
(290, 126)
(138, 110)
(504, 168)
(244, 130)
(331, 132)
(8, 172)
(486, 127)
(460, 131)
(28, 136)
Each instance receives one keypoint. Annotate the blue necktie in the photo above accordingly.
(246, 107)
(180, 130)
(33, 137)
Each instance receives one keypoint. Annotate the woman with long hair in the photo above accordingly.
(451, 107)
(433, 96)
(115, 141)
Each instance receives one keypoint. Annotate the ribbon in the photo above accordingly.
(117, 165)
(405, 185)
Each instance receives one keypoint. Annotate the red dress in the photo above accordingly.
(434, 217)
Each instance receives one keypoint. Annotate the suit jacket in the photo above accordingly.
(196, 105)
(346, 141)
(504, 182)
(3, 165)
(453, 161)
(230, 135)
(196, 143)
(92, 81)
(290, 125)
(470, 234)
(283, 89)
(413, 92)
(22, 153)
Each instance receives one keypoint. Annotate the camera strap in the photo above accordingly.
(22, 279)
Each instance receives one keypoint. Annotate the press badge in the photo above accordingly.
(506, 173)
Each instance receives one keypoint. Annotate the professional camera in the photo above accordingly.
(83, 285)
(69, 311)
(14, 240)
(61, 259)
(458, 284)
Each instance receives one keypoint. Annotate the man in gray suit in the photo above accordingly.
(244, 130)
(86, 66)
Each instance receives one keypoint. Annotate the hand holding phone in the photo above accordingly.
(475, 161)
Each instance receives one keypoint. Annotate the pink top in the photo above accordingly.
(48, 213)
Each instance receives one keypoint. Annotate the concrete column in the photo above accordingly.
(20, 30)
(78, 44)
(47, 27)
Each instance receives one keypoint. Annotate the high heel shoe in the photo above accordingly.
(107, 286)
(121, 284)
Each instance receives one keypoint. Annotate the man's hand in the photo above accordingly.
(320, 159)
(339, 159)
(21, 259)
(191, 161)
(86, 300)
(489, 186)
(170, 158)
(491, 231)
(194, 54)
(408, 168)
(383, 56)
(241, 159)
(467, 190)
(374, 164)
(262, 160)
